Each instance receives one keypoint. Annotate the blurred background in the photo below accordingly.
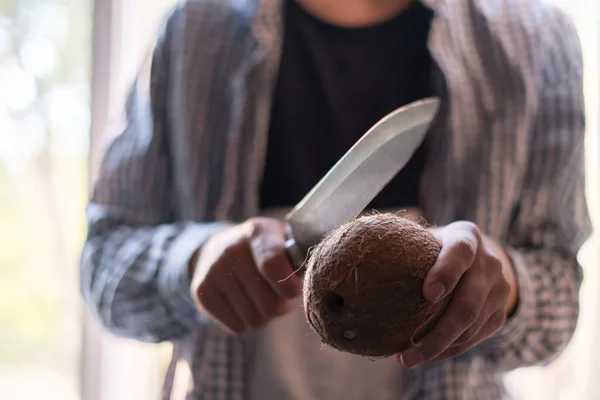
(65, 66)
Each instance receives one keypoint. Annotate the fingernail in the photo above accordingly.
(437, 291)
(412, 358)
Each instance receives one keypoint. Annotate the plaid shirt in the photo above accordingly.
(507, 155)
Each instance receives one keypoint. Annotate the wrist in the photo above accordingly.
(191, 267)
(509, 272)
(513, 296)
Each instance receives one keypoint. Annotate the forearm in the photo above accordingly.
(544, 320)
(541, 307)
(135, 279)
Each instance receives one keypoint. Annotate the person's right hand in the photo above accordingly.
(242, 277)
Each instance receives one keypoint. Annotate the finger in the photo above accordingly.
(267, 243)
(474, 329)
(493, 305)
(265, 299)
(451, 352)
(462, 312)
(459, 250)
(491, 326)
(216, 305)
(243, 305)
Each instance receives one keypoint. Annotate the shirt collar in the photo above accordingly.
(266, 15)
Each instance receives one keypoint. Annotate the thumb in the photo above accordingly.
(459, 248)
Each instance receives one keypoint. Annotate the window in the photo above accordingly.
(44, 123)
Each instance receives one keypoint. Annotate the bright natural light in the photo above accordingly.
(49, 104)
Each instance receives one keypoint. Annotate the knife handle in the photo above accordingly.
(294, 252)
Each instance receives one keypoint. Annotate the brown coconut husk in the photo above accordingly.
(363, 286)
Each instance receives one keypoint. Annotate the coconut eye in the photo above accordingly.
(349, 334)
(335, 303)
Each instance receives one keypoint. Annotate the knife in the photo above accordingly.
(355, 180)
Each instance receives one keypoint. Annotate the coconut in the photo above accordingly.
(363, 285)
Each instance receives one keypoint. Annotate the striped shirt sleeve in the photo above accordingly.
(134, 273)
(552, 222)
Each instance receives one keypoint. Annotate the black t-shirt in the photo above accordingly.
(334, 83)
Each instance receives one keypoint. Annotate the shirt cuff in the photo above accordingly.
(174, 275)
(517, 323)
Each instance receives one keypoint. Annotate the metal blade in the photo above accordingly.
(361, 173)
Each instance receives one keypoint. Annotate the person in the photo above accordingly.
(244, 105)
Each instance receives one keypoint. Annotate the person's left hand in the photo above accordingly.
(485, 291)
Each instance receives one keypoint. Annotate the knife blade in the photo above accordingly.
(357, 178)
